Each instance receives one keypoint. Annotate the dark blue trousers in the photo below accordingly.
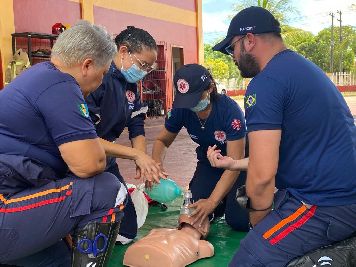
(34, 220)
(291, 230)
(202, 185)
(128, 226)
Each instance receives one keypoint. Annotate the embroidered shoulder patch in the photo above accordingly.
(84, 111)
(250, 100)
(236, 124)
(130, 96)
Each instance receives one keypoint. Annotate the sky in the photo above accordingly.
(313, 15)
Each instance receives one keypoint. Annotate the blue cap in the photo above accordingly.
(190, 81)
(249, 20)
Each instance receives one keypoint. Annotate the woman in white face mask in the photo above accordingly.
(116, 104)
(210, 119)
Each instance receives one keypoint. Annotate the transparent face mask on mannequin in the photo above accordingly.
(202, 104)
(134, 73)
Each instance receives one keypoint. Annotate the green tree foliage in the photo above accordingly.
(346, 49)
(222, 66)
(283, 10)
(305, 44)
(317, 48)
(217, 67)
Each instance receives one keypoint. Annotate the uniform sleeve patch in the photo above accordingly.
(236, 124)
(84, 111)
(250, 100)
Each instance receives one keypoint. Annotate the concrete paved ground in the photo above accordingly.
(180, 159)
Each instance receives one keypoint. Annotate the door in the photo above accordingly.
(177, 62)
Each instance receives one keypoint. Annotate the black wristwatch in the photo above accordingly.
(249, 208)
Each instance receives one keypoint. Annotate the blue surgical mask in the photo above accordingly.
(202, 104)
(133, 74)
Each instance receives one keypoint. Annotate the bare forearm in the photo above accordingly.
(240, 164)
(139, 142)
(260, 193)
(158, 151)
(224, 185)
(119, 151)
(261, 196)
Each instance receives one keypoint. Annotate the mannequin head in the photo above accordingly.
(185, 224)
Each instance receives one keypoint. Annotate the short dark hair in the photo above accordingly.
(135, 38)
(276, 34)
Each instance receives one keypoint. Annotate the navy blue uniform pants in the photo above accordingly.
(202, 185)
(291, 230)
(34, 221)
(128, 226)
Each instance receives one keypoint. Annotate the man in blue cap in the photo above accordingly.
(301, 140)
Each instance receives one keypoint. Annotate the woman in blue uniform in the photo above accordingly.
(116, 104)
(51, 161)
(210, 119)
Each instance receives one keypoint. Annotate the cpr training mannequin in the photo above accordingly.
(171, 247)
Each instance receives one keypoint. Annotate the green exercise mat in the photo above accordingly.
(223, 238)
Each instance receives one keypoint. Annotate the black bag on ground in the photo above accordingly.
(340, 254)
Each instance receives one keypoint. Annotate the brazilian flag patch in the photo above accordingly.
(250, 100)
(84, 111)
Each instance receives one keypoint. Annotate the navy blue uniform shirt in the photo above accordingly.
(115, 105)
(225, 123)
(40, 110)
(317, 161)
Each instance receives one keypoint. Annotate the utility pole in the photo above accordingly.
(332, 43)
(340, 40)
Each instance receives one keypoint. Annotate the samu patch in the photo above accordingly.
(236, 124)
(220, 136)
(250, 100)
(130, 96)
(84, 111)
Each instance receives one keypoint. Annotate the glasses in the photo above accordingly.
(143, 65)
(230, 49)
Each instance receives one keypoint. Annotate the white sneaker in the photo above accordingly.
(123, 240)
